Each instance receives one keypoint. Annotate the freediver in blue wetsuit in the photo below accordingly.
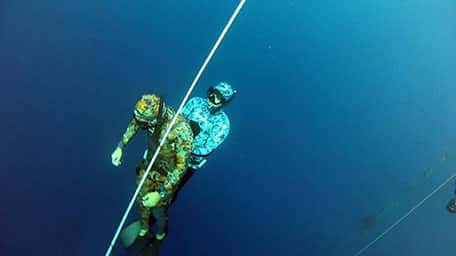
(451, 207)
(209, 123)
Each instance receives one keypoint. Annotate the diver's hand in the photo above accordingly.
(116, 156)
(151, 199)
(160, 236)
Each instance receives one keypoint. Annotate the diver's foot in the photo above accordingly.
(160, 236)
(143, 231)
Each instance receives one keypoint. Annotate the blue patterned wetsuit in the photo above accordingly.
(209, 124)
(211, 127)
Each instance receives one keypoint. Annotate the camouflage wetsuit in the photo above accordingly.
(169, 167)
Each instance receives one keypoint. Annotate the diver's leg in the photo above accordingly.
(144, 211)
(153, 247)
(188, 174)
(161, 217)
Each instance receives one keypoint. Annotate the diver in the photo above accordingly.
(154, 116)
(210, 125)
(451, 206)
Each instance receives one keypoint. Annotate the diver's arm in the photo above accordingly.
(129, 133)
(215, 135)
(221, 131)
(132, 129)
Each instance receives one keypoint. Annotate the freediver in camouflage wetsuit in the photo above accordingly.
(158, 191)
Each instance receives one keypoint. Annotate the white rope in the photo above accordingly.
(405, 216)
(187, 95)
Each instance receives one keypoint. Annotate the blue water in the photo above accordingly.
(342, 107)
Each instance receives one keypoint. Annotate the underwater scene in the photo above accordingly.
(219, 128)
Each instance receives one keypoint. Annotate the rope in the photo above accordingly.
(405, 216)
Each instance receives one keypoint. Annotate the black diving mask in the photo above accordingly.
(214, 95)
(150, 121)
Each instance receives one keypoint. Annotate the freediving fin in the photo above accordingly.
(130, 233)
